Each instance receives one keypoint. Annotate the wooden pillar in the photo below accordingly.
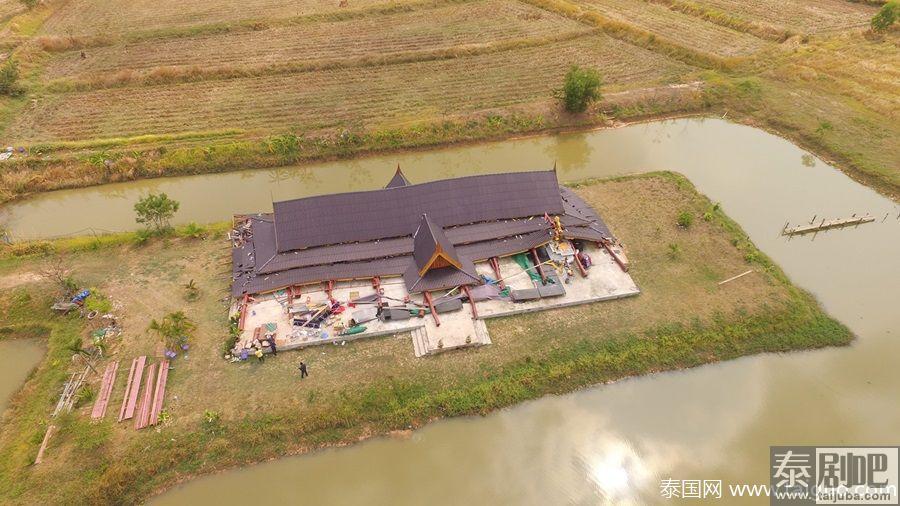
(537, 263)
(578, 261)
(243, 310)
(622, 265)
(495, 264)
(471, 302)
(376, 284)
(329, 286)
(437, 321)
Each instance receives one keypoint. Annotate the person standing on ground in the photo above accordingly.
(272, 345)
(302, 368)
(259, 354)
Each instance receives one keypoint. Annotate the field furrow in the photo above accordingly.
(801, 16)
(376, 96)
(90, 17)
(479, 22)
(682, 29)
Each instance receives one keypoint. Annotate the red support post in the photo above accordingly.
(329, 286)
(537, 263)
(437, 321)
(471, 302)
(578, 261)
(376, 284)
(495, 264)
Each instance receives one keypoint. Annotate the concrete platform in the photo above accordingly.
(458, 329)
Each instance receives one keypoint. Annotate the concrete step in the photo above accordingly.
(481, 332)
(420, 341)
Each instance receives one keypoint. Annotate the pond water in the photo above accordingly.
(611, 443)
(20, 356)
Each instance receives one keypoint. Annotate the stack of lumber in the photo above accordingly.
(132, 388)
(106, 386)
(154, 393)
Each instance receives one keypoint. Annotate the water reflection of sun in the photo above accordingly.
(617, 472)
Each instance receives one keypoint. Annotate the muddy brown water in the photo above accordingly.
(610, 443)
(19, 357)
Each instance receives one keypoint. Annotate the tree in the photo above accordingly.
(581, 87)
(155, 211)
(886, 17)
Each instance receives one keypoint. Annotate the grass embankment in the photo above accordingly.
(683, 318)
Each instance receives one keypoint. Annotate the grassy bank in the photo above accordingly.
(683, 318)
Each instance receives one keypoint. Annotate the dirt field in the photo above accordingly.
(97, 75)
(92, 17)
(683, 29)
(367, 97)
(800, 16)
(476, 23)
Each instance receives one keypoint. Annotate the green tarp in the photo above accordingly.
(526, 264)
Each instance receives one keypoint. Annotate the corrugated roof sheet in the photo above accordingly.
(395, 212)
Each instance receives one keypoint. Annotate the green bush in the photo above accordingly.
(155, 211)
(685, 219)
(192, 230)
(886, 17)
(581, 87)
(9, 77)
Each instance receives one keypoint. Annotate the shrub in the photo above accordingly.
(9, 77)
(193, 230)
(155, 210)
(174, 329)
(886, 17)
(581, 87)
(142, 236)
(674, 252)
(22, 249)
(685, 219)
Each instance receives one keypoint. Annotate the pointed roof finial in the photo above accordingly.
(398, 180)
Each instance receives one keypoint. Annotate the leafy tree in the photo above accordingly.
(886, 17)
(174, 329)
(581, 87)
(9, 76)
(155, 211)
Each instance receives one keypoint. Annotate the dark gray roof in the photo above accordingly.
(442, 278)
(259, 268)
(398, 180)
(428, 239)
(395, 212)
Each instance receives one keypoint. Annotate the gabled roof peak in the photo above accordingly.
(398, 180)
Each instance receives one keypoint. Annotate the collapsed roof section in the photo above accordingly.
(430, 254)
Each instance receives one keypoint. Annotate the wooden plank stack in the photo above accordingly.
(160, 392)
(106, 386)
(143, 416)
(132, 387)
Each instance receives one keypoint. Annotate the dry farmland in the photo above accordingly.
(79, 17)
(10, 8)
(384, 95)
(140, 78)
(462, 25)
(799, 16)
(682, 29)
